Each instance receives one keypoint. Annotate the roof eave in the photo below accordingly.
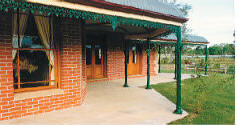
(128, 9)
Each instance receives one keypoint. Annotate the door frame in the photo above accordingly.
(102, 42)
(139, 58)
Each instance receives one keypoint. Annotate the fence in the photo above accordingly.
(218, 64)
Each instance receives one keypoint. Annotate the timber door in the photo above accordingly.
(94, 60)
(134, 61)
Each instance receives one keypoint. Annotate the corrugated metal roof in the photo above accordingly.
(186, 37)
(151, 5)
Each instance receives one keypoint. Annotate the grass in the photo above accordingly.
(208, 100)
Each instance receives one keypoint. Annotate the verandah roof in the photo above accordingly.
(187, 38)
(57, 7)
(171, 39)
(116, 19)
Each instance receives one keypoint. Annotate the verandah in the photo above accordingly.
(114, 21)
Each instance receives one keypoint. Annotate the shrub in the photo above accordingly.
(231, 69)
(165, 60)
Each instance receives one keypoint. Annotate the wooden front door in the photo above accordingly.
(94, 60)
(134, 61)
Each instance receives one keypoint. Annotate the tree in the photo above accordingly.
(215, 50)
(229, 49)
(222, 49)
(185, 9)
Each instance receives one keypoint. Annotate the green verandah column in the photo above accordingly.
(148, 51)
(126, 52)
(175, 69)
(159, 51)
(178, 103)
(206, 59)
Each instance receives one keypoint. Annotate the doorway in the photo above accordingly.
(95, 59)
(134, 60)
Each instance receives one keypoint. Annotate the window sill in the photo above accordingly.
(41, 93)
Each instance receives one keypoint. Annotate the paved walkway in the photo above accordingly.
(108, 103)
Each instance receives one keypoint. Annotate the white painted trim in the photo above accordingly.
(61, 3)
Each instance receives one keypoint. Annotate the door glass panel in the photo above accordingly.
(134, 53)
(98, 54)
(88, 54)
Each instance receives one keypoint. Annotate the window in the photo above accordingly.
(88, 54)
(98, 55)
(33, 53)
(134, 54)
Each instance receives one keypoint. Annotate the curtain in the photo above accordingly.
(45, 29)
(22, 28)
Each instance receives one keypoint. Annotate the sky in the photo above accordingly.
(212, 19)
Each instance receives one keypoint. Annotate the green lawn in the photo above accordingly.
(208, 100)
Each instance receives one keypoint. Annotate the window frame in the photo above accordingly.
(56, 68)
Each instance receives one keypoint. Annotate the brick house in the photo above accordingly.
(51, 49)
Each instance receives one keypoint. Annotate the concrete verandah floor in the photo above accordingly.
(108, 103)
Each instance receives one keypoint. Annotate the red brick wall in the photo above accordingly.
(6, 68)
(153, 62)
(115, 57)
(71, 72)
(84, 77)
(71, 61)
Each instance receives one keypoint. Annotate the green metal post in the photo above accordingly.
(206, 59)
(126, 52)
(175, 69)
(148, 51)
(178, 103)
(159, 57)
